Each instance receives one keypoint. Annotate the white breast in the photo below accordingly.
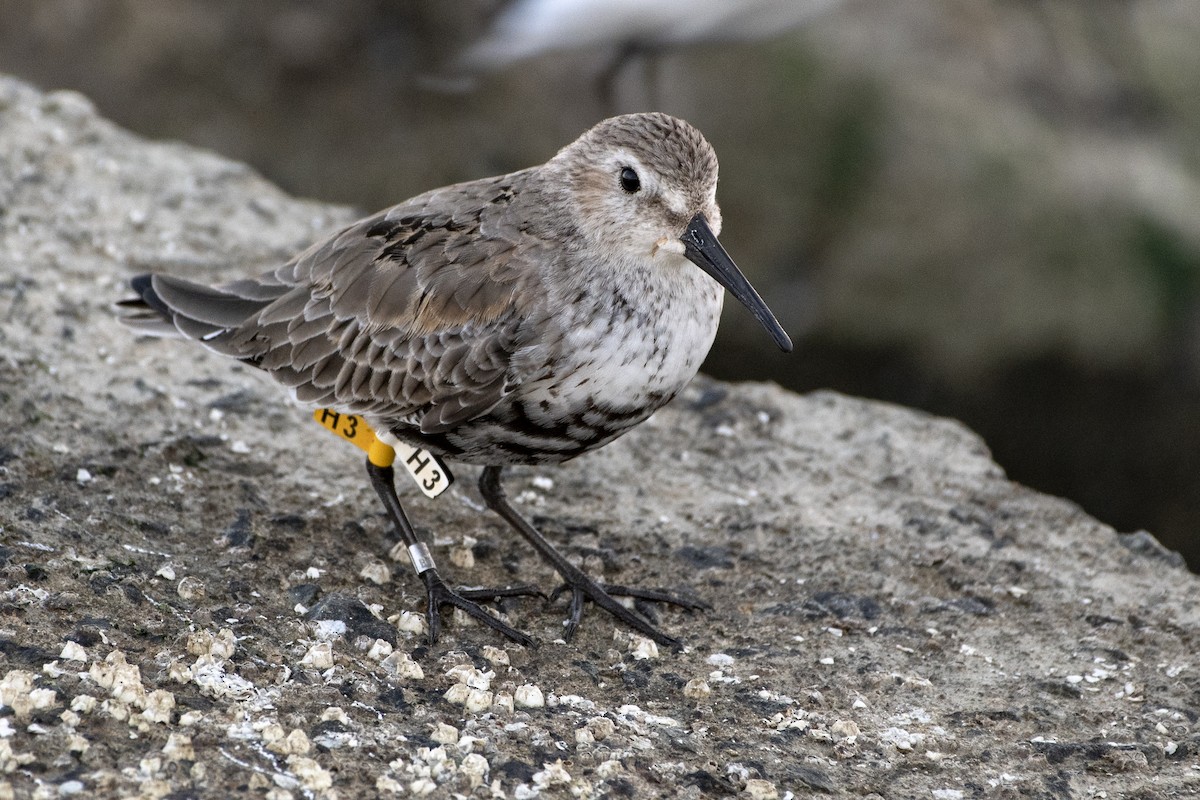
(636, 341)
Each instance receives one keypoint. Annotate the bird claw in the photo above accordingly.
(485, 593)
(438, 594)
(583, 588)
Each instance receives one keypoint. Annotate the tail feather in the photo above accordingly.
(203, 304)
(170, 306)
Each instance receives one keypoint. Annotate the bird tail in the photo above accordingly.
(170, 306)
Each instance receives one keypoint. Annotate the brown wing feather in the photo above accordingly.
(412, 314)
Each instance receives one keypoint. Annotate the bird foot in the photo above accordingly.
(438, 594)
(584, 588)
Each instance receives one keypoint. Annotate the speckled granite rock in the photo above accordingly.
(891, 616)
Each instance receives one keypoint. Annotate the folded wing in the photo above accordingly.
(413, 314)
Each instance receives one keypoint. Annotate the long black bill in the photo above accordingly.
(702, 249)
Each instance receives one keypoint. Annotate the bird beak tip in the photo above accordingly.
(702, 248)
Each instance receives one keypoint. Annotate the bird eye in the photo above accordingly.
(629, 180)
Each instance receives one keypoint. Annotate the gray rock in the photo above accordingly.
(891, 615)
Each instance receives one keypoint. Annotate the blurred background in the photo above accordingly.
(985, 209)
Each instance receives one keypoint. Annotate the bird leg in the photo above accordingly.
(437, 593)
(580, 585)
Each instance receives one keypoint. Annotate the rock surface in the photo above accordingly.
(892, 617)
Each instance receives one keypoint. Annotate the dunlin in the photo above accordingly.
(521, 319)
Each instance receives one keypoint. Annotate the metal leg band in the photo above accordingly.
(419, 555)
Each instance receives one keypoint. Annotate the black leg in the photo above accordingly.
(437, 592)
(578, 584)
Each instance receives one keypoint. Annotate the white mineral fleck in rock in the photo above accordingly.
(376, 572)
(166, 571)
(189, 718)
(844, 729)
(475, 767)
(199, 643)
(496, 656)
(83, 703)
(70, 788)
(478, 701)
(209, 674)
(422, 786)
(386, 783)
(296, 742)
(335, 714)
(311, 774)
(379, 650)
(503, 703)
(42, 698)
(319, 656)
(477, 679)
(457, 694)
(462, 557)
(190, 588)
(571, 701)
(408, 622)
(326, 630)
(115, 709)
(720, 660)
(179, 672)
(467, 743)
(73, 651)
(11, 760)
(528, 695)
(17, 692)
(271, 733)
(179, 748)
(402, 665)
(444, 734)
(643, 648)
(601, 727)
(224, 644)
(158, 706)
(554, 774)
(122, 679)
(758, 789)
(902, 740)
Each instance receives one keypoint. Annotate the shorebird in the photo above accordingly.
(521, 319)
(526, 29)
